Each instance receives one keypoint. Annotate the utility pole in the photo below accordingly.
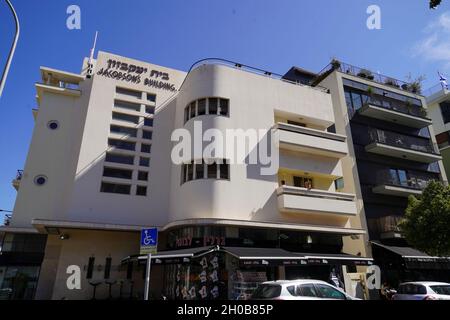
(13, 48)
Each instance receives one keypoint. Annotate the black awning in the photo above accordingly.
(415, 259)
(172, 256)
(265, 256)
(337, 259)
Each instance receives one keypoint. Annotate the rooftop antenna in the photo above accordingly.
(13, 47)
(90, 70)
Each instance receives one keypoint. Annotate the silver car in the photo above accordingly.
(423, 291)
(299, 290)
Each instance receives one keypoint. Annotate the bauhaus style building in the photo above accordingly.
(100, 168)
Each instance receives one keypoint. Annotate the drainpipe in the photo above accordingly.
(13, 48)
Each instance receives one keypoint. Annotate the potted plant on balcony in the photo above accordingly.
(415, 85)
(391, 82)
(335, 64)
(366, 74)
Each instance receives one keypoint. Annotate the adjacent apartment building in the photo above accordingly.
(101, 167)
(393, 154)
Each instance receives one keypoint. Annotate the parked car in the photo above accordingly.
(299, 290)
(423, 291)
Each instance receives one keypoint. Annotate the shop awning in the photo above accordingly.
(415, 259)
(173, 256)
(265, 256)
(339, 259)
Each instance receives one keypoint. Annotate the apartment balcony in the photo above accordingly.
(302, 200)
(398, 113)
(388, 227)
(59, 82)
(311, 141)
(401, 146)
(17, 179)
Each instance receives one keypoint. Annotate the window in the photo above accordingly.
(147, 135)
(148, 122)
(127, 105)
(141, 191)
(144, 162)
(213, 105)
(224, 110)
(267, 291)
(301, 182)
(306, 290)
(201, 108)
(146, 148)
(441, 289)
(143, 176)
(200, 170)
(151, 97)
(216, 170)
(149, 109)
(117, 173)
(328, 292)
(115, 188)
(40, 180)
(445, 110)
(123, 130)
(399, 177)
(118, 158)
(210, 106)
(125, 117)
(123, 145)
(129, 92)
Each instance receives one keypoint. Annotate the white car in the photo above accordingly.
(299, 290)
(423, 291)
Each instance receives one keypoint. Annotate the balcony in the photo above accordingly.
(307, 140)
(302, 200)
(387, 227)
(59, 82)
(402, 183)
(401, 146)
(399, 113)
(17, 179)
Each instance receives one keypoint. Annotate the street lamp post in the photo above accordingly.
(13, 47)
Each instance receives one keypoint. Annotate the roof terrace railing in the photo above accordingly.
(240, 66)
(435, 89)
(335, 65)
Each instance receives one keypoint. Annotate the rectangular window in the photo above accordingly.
(193, 111)
(213, 105)
(144, 162)
(190, 172)
(200, 171)
(127, 105)
(115, 188)
(148, 122)
(146, 148)
(141, 191)
(123, 130)
(147, 135)
(224, 108)
(129, 92)
(143, 176)
(445, 110)
(149, 109)
(212, 171)
(125, 117)
(123, 145)
(117, 173)
(186, 114)
(201, 107)
(151, 97)
(118, 158)
(225, 171)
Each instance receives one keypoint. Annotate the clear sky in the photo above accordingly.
(272, 35)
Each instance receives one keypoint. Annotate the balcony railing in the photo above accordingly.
(412, 180)
(387, 225)
(411, 110)
(402, 141)
(366, 74)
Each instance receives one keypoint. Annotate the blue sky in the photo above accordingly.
(273, 35)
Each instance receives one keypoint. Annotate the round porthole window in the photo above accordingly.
(53, 125)
(40, 180)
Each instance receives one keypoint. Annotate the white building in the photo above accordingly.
(99, 169)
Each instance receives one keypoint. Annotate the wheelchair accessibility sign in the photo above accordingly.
(149, 241)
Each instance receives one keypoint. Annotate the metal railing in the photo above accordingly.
(435, 89)
(243, 67)
(402, 141)
(413, 180)
(366, 74)
(412, 110)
